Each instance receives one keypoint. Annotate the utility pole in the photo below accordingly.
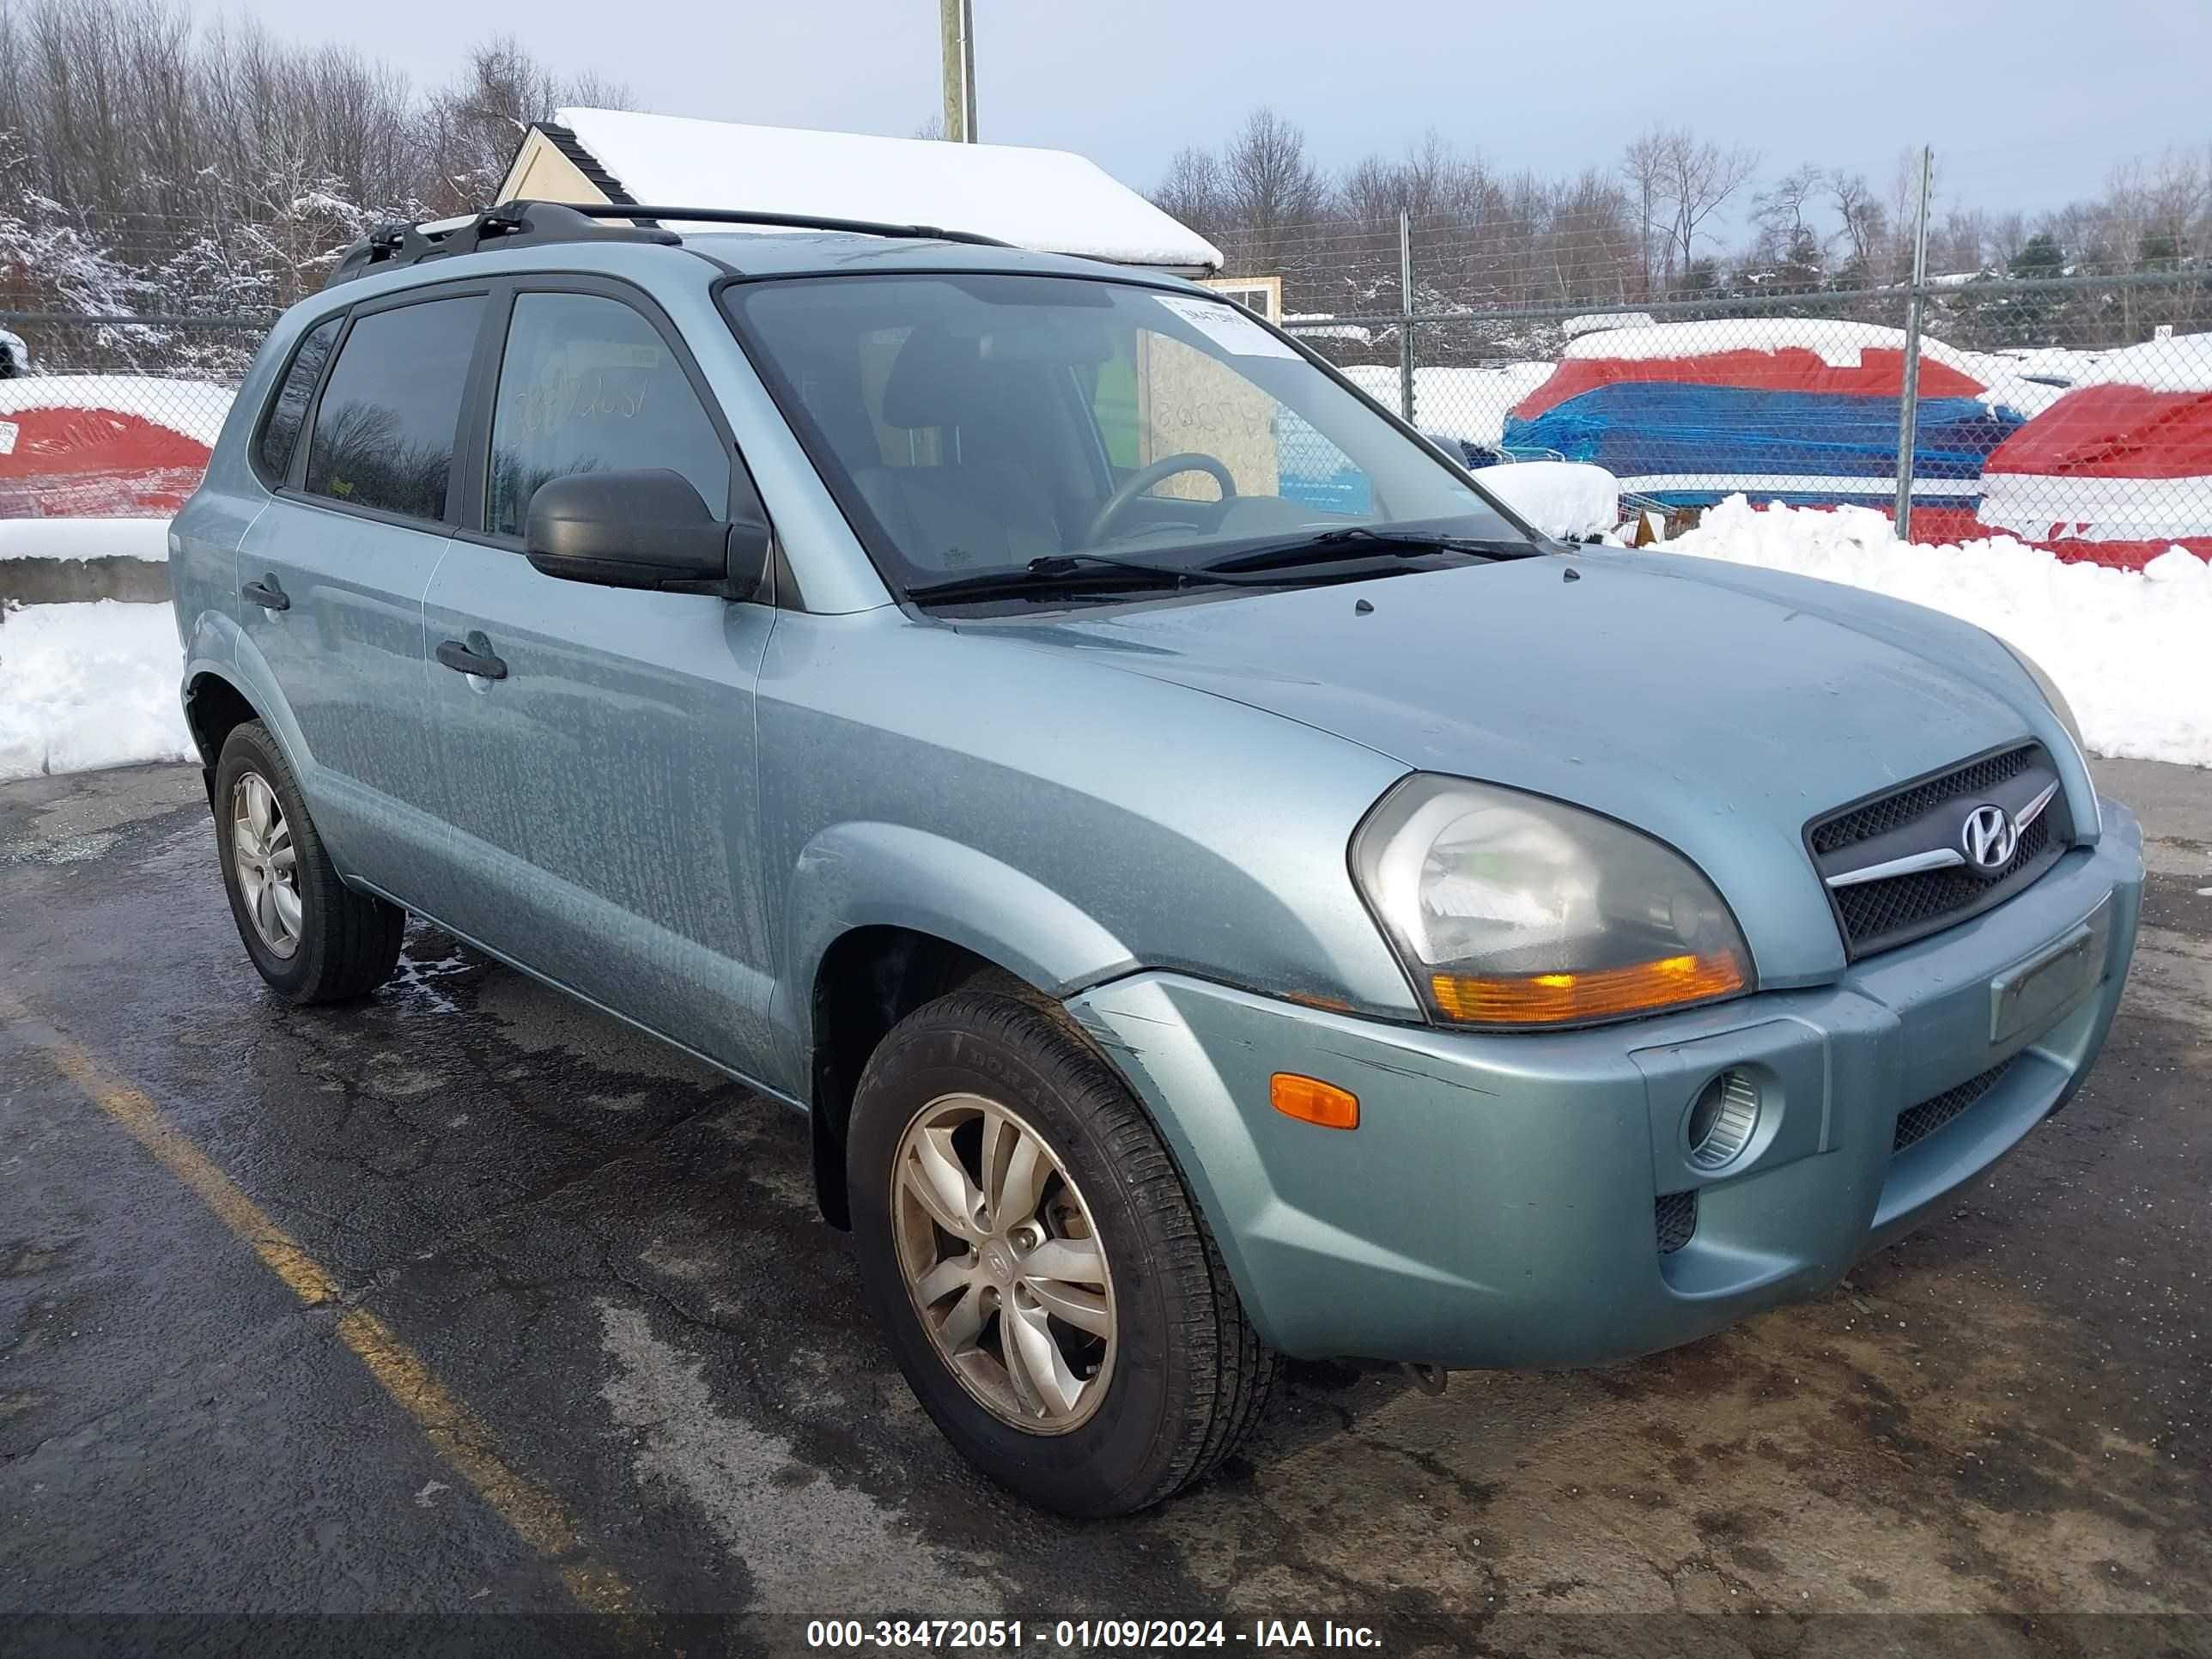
(1908, 418)
(1406, 310)
(956, 25)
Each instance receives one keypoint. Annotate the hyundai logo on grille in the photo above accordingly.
(1989, 839)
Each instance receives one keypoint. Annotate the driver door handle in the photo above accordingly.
(473, 658)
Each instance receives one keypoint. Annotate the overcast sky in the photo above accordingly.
(2029, 103)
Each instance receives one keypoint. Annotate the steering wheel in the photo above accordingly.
(1145, 477)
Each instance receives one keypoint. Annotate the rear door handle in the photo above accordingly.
(268, 595)
(474, 658)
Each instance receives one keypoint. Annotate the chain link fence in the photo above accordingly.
(113, 418)
(2073, 412)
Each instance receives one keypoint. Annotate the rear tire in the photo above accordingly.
(1155, 1374)
(311, 937)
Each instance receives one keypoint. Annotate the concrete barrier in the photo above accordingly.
(71, 561)
(74, 581)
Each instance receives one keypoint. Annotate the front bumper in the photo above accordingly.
(1495, 1206)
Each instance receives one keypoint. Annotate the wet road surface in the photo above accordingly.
(604, 1261)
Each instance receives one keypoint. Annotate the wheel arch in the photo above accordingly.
(214, 708)
(883, 918)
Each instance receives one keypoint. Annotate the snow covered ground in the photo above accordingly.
(2129, 648)
(88, 685)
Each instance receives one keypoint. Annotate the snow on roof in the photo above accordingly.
(194, 408)
(1836, 343)
(2181, 362)
(1047, 200)
(1596, 322)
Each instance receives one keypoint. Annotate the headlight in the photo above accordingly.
(2049, 686)
(1511, 909)
(2061, 707)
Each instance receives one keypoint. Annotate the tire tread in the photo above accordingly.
(354, 942)
(1233, 1371)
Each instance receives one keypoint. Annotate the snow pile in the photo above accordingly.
(1560, 498)
(85, 538)
(89, 685)
(2132, 650)
(1045, 199)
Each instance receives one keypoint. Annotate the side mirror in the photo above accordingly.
(646, 528)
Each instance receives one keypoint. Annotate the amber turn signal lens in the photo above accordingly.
(1312, 1101)
(1560, 998)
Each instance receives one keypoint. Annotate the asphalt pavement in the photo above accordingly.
(465, 1316)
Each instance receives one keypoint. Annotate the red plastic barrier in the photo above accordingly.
(1879, 372)
(66, 462)
(2114, 432)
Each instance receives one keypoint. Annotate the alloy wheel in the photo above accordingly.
(267, 863)
(1003, 1263)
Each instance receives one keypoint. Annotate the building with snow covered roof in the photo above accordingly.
(1048, 200)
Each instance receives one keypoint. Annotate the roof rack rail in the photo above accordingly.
(795, 220)
(528, 224)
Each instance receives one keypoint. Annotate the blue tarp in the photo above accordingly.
(1687, 433)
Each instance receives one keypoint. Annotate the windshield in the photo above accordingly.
(971, 425)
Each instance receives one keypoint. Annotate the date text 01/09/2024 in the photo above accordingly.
(1085, 1635)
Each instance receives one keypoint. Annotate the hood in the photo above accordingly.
(1714, 707)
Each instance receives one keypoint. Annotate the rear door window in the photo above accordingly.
(587, 385)
(385, 429)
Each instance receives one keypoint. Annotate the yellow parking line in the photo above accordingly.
(457, 1433)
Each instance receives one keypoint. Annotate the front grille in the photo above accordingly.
(1675, 1216)
(1894, 811)
(1918, 1122)
(1927, 817)
(1875, 909)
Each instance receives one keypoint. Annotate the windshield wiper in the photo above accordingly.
(1061, 573)
(1349, 543)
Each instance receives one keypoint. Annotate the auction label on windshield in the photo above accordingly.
(1015, 1636)
(1222, 322)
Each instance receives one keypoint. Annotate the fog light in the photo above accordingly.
(1722, 1120)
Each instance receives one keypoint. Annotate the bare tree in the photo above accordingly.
(1864, 223)
(1697, 178)
(1194, 191)
(1642, 165)
(1269, 185)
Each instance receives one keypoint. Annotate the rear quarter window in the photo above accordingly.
(386, 425)
(288, 413)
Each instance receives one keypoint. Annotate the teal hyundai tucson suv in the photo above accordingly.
(1219, 886)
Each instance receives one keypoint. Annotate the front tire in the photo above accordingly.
(1047, 1283)
(311, 937)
